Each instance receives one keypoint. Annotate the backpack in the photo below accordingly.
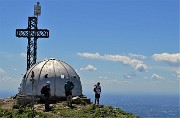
(43, 89)
(68, 86)
(94, 89)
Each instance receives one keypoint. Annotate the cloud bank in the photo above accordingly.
(171, 59)
(136, 64)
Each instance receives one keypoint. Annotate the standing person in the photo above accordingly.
(97, 90)
(68, 91)
(45, 90)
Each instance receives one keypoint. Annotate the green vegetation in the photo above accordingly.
(1, 103)
(62, 110)
(22, 113)
(92, 111)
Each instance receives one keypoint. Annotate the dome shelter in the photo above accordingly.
(56, 72)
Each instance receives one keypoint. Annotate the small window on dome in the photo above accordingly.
(62, 76)
(74, 76)
(46, 76)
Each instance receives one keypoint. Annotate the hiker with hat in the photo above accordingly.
(45, 90)
(68, 91)
(97, 90)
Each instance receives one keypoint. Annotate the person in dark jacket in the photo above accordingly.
(46, 91)
(68, 91)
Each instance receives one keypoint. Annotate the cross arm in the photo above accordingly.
(26, 33)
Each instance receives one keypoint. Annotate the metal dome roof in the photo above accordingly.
(56, 72)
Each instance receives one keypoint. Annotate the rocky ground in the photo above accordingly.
(6, 103)
(60, 110)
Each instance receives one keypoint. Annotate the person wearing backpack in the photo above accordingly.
(97, 90)
(45, 90)
(68, 91)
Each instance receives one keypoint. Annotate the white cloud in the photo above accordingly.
(102, 78)
(130, 75)
(1, 73)
(157, 77)
(89, 68)
(141, 67)
(145, 77)
(23, 55)
(6, 81)
(136, 64)
(137, 55)
(178, 74)
(171, 59)
(90, 55)
(3, 76)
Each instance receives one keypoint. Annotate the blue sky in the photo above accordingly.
(130, 46)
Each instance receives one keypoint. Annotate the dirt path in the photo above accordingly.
(7, 103)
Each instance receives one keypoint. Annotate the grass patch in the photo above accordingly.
(91, 111)
(1, 103)
(22, 113)
(61, 109)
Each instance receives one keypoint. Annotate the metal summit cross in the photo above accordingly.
(32, 33)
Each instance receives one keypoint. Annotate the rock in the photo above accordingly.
(79, 100)
(23, 100)
(76, 100)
